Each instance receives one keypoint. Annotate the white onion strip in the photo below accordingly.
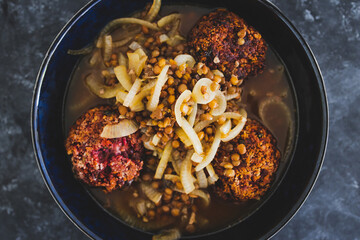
(212, 151)
(132, 92)
(123, 77)
(155, 97)
(163, 161)
(184, 124)
(201, 177)
(185, 173)
(221, 100)
(199, 96)
(235, 131)
(192, 115)
(122, 129)
(185, 58)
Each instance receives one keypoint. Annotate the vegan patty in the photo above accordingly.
(223, 40)
(101, 162)
(254, 163)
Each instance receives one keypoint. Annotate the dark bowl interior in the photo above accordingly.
(285, 200)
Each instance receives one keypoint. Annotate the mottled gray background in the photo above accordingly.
(332, 29)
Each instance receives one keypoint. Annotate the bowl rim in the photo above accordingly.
(40, 160)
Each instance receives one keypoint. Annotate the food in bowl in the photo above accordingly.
(178, 111)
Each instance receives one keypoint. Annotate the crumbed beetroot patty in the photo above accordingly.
(257, 166)
(223, 40)
(100, 162)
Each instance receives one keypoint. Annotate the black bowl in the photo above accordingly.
(282, 203)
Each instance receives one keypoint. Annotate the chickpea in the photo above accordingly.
(122, 110)
(213, 104)
(157, 70)
(203, 89)
(184, 108)
(162, 62)
(168, 191)
(209, 130)
(178, 73)
(214, 86)
(242, 33)
(151, 213)
(155, 53)
(217, 79)
(182, 88)
(201, 135)
(241, 148)
(168, 130)
(234, 80)
(241, 41)
(235, 157)
(229, 173)
(235, 163)
(165, 208)
(170, 81)
(175, 212)
(221, 120)
(155, 185)
(228, 165)
(171, 99)
(175, 144)
(206, 116)
(171, 91)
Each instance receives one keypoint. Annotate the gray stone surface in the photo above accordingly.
(332, 29)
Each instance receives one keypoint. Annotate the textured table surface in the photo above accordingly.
(332, 29)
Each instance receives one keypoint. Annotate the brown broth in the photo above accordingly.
(274, 81)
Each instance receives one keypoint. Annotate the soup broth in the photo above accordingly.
(273, 83)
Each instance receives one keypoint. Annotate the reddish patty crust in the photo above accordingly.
(223, 40)
(256, 167)
(101, 162)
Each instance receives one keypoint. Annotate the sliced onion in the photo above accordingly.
(155, 97)
(151, 193)
(163, 161)
(148, 145)
(107, 47)
(154, 10)
(213, 177)
(121, 42)
(123, 77)
(130, 96)
(204, 196)
(201, 177)
(185, 58)
(184, 96)
(137, 104)
(163, 38)
(120, 96)
(196, 157)
(122, 129)
(171, 234)
(212, 151)
(185, 173)
(168, 19)
(122, 59)
(183, 137)
(171, 177)
(100, 89)
(184, 124)
(198, 96)
(226, 127)
(134, 45)
(192, 115)
(218, 73)
(203, 124)
(229, 97)
(220, 99)
(235, 131)
(176, 163)
(155, 140)
(137, 61)
(233, 115)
